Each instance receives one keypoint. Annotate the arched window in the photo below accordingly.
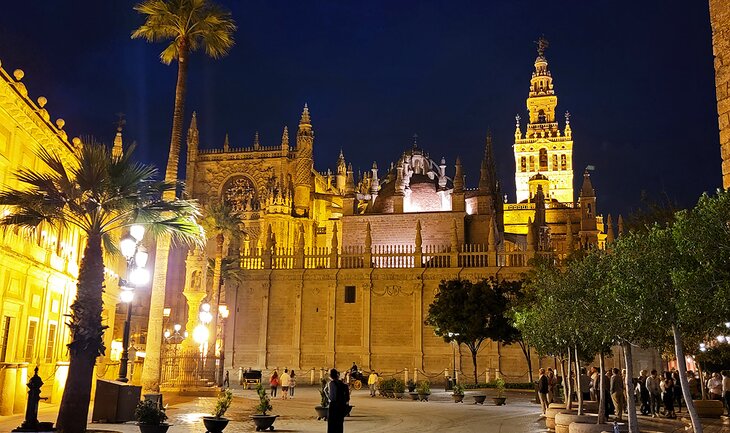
(523, 164)
(563, 162)
(543, 159)
(541, 116)
(240, 194)
(532, 163)
(555, 162)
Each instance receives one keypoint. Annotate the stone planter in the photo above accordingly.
(321, 412)
(556, 406)
(264, 422)
(214, 425)
(550, 416)
(153, 428)
(499, 401)
(589, 406)
(399, 395)
(423, 397)
(458, 398)
(563, 421)
(709, 408)
(414, 395)
(479, 399)
(595, 428)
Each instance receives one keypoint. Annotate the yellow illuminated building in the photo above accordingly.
(38, 270)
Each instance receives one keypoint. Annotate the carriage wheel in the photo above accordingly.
(357, 384)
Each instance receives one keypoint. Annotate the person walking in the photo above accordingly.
(339, 395)
(677, 390)
(372, 382)
(617, 393)
(585, 384)
(285, 380)
(652, 386)
(714, 385)
(610, 408)
(668, 397)
(292, 383)
(595, 384)
(543, 388)
(726, 389)
(274, 382)
(552, 383)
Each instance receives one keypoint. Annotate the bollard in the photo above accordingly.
(311, 376)
(405, 375)
(415, 375)
(488, 375)
(240, 375)
(446, 373)
(31, 410)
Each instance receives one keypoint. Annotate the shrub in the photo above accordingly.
(499, 386)
(424, 387)
(411, 384)
(399, 386)
(386, 385)
(264, 402)
(458, 389)
(324, 399)
(149, 412)
(224, 402)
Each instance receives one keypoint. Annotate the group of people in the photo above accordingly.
(287, 380)
(659, 395)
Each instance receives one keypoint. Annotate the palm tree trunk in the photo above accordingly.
(178, 115)
(628, 380)
(87, 331)
(601, 389)
(216, 295)
(686, 393)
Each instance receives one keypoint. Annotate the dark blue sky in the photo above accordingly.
(637, 78)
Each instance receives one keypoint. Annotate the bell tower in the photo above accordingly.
(544, 149)
(303, 167)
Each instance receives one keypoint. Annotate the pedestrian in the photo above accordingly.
(668, 397)
(607, 393)
(643, 392)
(292, 383)
(339, 395)
(726, 389)
(372, 382)
(714, 385)
(285, 380)
(552, 383)
(585, 384)
(543, 388)
(226, 381)
(654, 389)
(274, 382)
(617, 393)
(694, 385)
(677, 390)
(595, 384)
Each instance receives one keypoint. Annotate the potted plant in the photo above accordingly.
(499, 398)
(424, 390)
(324, 401)
(458, 394)
(151, 417)
(399, 388)
(216, 423)
(411, 385)
(262, 420)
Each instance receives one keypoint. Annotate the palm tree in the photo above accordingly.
(188, 26)
(99, 196)
(221, 221)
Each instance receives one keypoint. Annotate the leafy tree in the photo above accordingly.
(99, 196)
(470, 313)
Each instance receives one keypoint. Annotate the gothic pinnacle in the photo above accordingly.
(226, 145)
(285, 137)
(305, 119)
(256, 143)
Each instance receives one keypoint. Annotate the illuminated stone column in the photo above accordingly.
(720, 19)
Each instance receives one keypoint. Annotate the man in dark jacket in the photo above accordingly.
(542, 390)
(339, 395)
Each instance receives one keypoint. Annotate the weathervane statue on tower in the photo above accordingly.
(542, 45)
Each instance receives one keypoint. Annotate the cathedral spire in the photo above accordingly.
(226, 144)
(285, 139)
(305, 121)
(587, 188)
(609, 230)
(117, 150)
(487, 173)
(458, 177)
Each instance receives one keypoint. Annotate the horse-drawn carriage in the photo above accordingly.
(356, 379)
(250, 377)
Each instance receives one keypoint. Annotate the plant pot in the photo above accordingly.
(458, 398)
(550, 416)
(321, 412)
(153, 428)
(499, 401)
(399, 395)
(414, 395)
(423, 397)
(563, 421)
(390, 394)
(264, 422)
(479, 399)
(709, 408)
(214, 425)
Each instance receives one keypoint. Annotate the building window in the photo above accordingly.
(349, 294)
(5, 336)
(51, 342)
(541, 118)
(563, 162)
(523, 164)
(555, 162)
(543, 159)
(30, 341)
(532, 163)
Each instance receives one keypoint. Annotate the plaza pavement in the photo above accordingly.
(440, 414)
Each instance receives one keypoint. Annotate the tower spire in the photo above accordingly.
(256, 143)
(285, 139)
(117, 150)
(226, 144)
(305, 120)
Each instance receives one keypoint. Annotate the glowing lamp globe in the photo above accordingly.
(127, 245)
(140, 258)
(137, 232)
(201, 334)
(126, 296)
(177, 327)
(139, 276)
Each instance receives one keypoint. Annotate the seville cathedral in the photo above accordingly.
(339, 269)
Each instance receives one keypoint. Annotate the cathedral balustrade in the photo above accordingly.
(388, 257)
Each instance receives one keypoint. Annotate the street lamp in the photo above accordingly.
(453, 351)
(223, 313)
(137, 276)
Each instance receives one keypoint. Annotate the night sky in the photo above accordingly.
(636, 76)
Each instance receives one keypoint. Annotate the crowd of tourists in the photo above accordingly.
(658, 395)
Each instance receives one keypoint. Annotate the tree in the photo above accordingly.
(98, 195)
(469, 313)
(188, 26)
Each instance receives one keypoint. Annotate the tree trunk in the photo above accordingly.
(682, 367)
(703, 391)
(216, 295)
(562, 373)
(178, 115)
(86, 334)
(578, 387)
(601, 389)
(569, 383)
(528, 357)
(474, 360)
(628, 380)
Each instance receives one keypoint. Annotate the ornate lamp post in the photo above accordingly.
(201, 334)
(453, 351)
(137, 276)
(223, 313)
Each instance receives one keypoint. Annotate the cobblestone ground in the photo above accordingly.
(440, 414)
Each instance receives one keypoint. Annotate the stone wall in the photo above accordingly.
(390, 229)
(720, 19)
